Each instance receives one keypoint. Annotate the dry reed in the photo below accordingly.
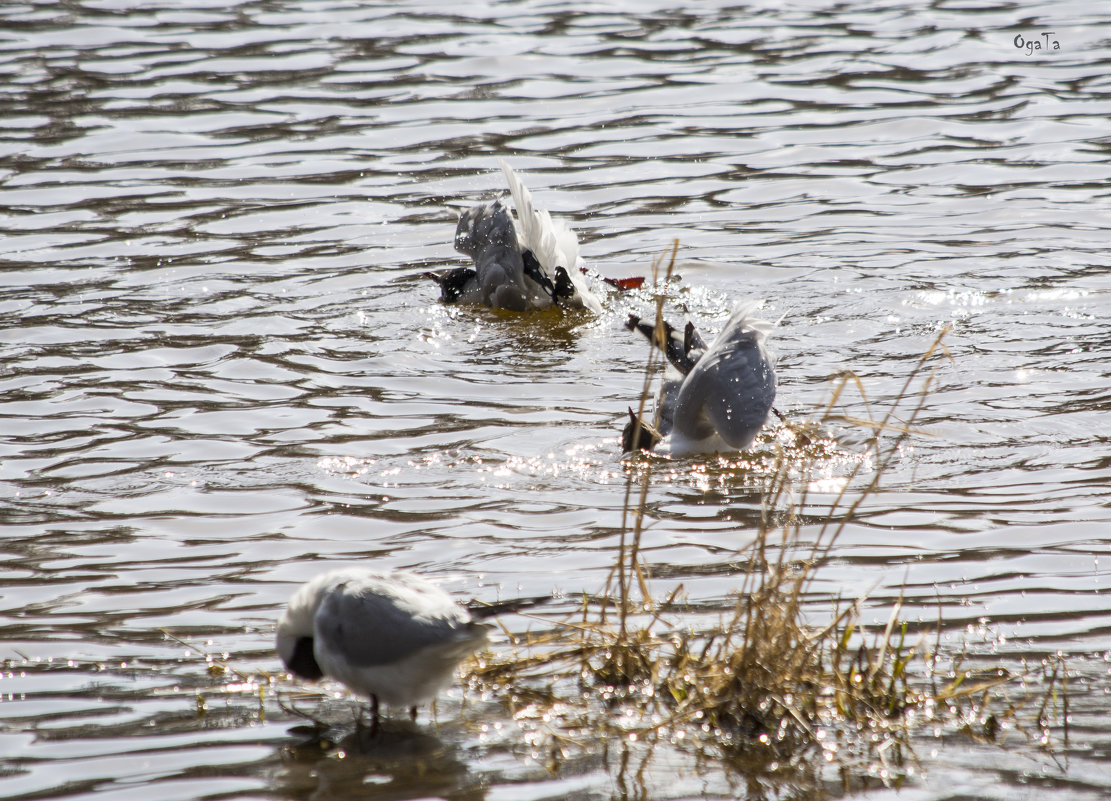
(765, 684)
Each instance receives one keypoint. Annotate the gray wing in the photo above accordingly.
(500, 272)
(486, 234)
(371, 628)
(484, 225)
(669, 399)
(729, 391)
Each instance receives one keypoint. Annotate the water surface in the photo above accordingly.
(221, 372)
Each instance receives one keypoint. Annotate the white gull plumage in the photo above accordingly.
(392, 637)
(725, 394)
(530, 262)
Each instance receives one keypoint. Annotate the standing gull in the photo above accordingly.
(530, 262)
(392, 637)
(725, 394)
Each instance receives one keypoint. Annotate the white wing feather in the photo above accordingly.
(552, 242)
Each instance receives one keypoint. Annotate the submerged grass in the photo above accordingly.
(765, 688)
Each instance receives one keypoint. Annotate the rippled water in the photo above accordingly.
(221, 372)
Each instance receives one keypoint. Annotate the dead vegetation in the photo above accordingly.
(785, 684)
(767, 687)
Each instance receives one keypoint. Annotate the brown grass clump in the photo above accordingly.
(765, 688)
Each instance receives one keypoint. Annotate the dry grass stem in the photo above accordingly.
(765, 681)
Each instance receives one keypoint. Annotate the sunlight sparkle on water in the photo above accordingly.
(346, 464)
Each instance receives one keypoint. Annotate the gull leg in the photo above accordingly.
(372, 730)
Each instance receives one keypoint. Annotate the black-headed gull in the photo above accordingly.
(392, 637)
(530, 262)
(726, 392)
